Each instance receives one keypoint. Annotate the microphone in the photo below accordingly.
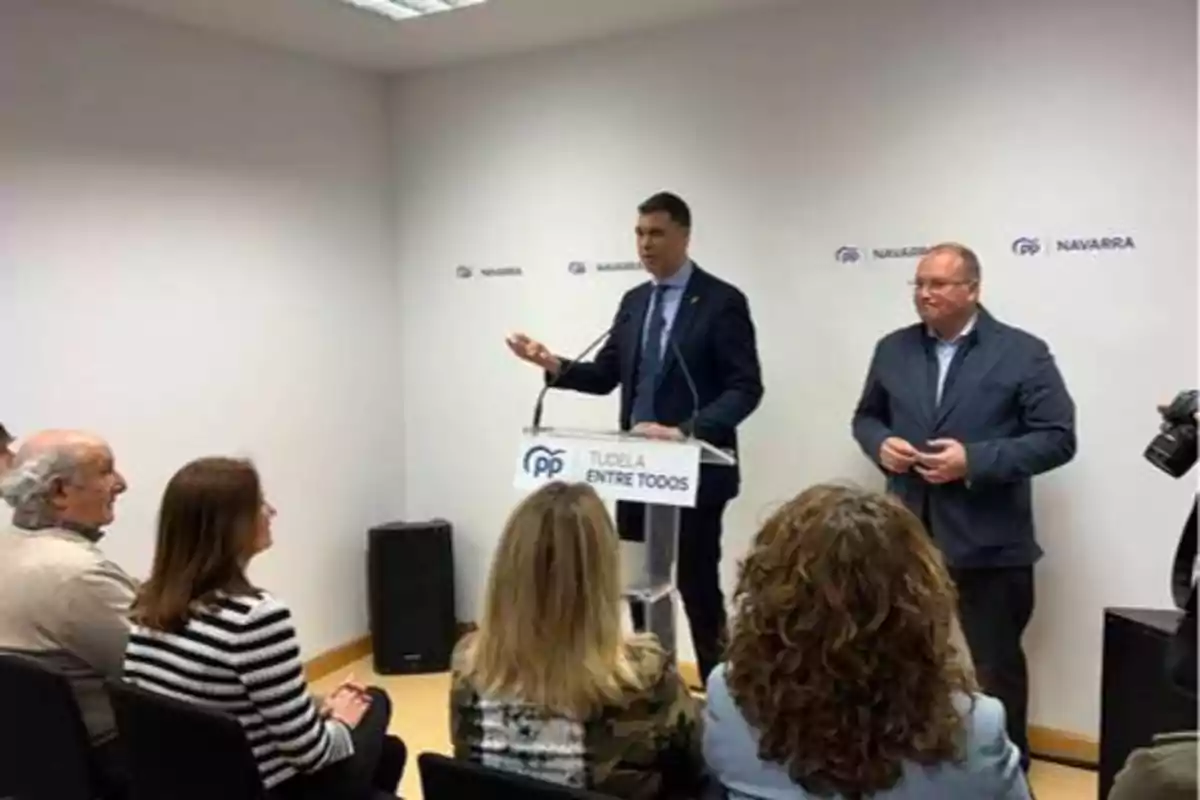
(687, 376)
(537, 408)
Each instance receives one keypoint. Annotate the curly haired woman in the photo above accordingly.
(843, 678)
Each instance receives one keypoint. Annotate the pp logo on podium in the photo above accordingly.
(542, 462)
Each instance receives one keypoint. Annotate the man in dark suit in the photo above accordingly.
(681, 309)
(961, 411)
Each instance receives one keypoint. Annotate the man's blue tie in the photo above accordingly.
(651, 360)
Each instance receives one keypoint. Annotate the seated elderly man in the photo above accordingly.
(61, 600)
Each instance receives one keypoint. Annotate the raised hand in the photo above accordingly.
(532, 351)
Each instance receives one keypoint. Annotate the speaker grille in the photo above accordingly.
(410, 585)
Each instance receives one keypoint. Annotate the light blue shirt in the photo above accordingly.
(991, 766)
(672, 297)
(946, 350)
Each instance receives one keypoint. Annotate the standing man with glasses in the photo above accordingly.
(682, 311)
(960, 411)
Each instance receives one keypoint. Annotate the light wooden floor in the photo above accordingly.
(420, 716)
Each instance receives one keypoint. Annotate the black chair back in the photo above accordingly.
(444, 778)
(44, 748)
(181, 750)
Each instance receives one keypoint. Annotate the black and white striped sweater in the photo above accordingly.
(240, 655)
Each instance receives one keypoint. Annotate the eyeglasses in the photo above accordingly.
(937, 285)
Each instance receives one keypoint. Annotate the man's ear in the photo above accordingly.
(58, 491)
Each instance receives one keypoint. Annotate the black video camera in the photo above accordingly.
(1173, 450)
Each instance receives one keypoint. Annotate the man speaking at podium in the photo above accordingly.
(682, 350)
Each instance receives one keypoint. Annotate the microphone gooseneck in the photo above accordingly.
(562, 372)
(687, 376)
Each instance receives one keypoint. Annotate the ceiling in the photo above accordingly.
(335, 31)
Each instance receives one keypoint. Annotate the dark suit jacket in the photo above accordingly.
(1005, 400)
(715, 335)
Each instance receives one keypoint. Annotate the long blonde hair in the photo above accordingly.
(551, 629)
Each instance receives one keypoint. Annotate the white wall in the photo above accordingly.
(195, 259)
(793, 133)
(197, 255)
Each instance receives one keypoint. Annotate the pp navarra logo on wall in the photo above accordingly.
(1031, 246)
(1026, 246)
(847, 255)
(1021, 246)
(501, 272)
(543, 462)
(618, 266)
(464, 271)
(1093, 244)
(582, 267)
(912, 251)
(853, 255)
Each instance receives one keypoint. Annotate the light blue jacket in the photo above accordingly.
(990, 771)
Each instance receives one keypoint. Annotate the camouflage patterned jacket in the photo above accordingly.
(648, 747)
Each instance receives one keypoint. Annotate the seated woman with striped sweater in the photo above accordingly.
(204, 634)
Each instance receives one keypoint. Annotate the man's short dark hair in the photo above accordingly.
(970, 260)
(5, 437)
(671, 204)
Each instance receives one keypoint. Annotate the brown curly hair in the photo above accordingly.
(841, 654)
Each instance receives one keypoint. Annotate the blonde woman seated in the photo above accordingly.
(842, 678)
(549, 686)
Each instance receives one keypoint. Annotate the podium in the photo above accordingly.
(663, 475)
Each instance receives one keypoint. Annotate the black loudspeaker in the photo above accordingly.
(1137, 698)
(410, 588)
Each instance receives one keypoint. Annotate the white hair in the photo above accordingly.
(29, 485)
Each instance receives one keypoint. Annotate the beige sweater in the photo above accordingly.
(62, 600)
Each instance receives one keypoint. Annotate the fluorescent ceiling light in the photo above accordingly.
(407, 9)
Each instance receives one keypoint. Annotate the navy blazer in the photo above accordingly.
(1005, 401)
(715, 335)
